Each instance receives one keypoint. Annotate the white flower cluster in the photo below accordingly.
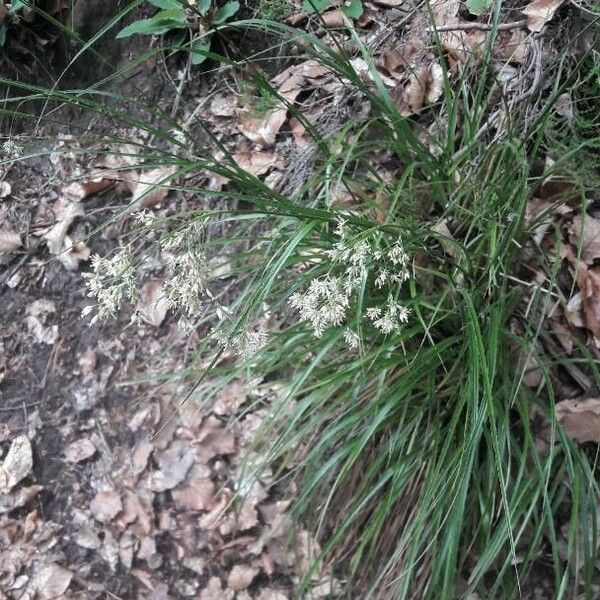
(245, 343)
(187, 287)
(111, 280)
(11, 149)
(327, 300)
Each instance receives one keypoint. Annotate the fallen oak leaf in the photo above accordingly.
(588, 281)
(106, 506)
(580, 419)
(152, 187)
(586, 235)
(52, 581)
(79, 450)
(17, 464)
(540, 12)
(5, 189)
(153, 304)
(9, 241)
(240, 577)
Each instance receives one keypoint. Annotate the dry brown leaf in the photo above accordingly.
(174, 464)
(333, 18)
(17, 464)
(588, 281)
(539, 12)
(18, 498)
(586, 234)
(214, 591)
(574, 313)
(79, 190)
(9, 241)
(152, 187)
(580, 419)
(511, 46)
(214, 440)
(140, 454)
(197, 494)
(435, 83)
(224, 106)
(256, 162)
(79, 450)
(137, 508)
(106, 506)
(240, 577)
(563, 335)
(5, 189)
(153, 304)
(68, 211)
(388, 2)
(52, 581)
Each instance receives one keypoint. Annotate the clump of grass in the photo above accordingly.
(404, 417)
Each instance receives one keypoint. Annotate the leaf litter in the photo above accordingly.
(181, 488)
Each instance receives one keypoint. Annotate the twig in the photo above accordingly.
(480, 26)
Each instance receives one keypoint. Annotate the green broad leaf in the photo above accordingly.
(477, 7)
(226, 12)
(167, 4)
(162, 22)
(179, 39)
(312, 6)
(203, 6)
(199, 49)
(353, 9)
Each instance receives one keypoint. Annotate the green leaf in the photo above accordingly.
(203, 6)
(2, 34)
(167, 4)
(226, 11)
(199, 50)
(179, 39)
(162, 22)
(311, 6)
(353, 9)
(16, 5)
(477, 7)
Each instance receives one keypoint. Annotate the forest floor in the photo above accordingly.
(105, 490)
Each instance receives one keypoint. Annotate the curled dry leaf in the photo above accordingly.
(140, 454)
(588, 281)
(68, 211)
(539, 12)
(152, 187)
(580, 419)
(153, 304)
(79, 450)
(17, 464)
(9, 241)
(511, 46)
(106, 506)
(52, 581)
(174, 464)
(5, 189)
(197, 494)
(18, 498)
(241, 577)
(257, 162)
